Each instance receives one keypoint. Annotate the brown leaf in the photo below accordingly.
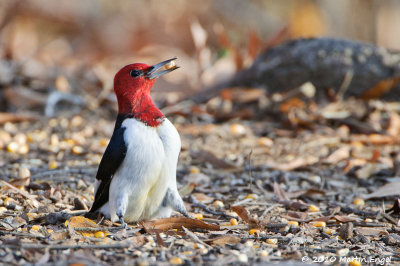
(338, 155)
(296, 163)
(223, 240)
(177, 223)
(389, 189)
(280, 193)
(244, 215)
(160, 241)
(206, 156)
(346, 219)
(10, 117)
(298, 216)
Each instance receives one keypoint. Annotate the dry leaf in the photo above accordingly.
(346, 219)
(389, 189)
(177, 223)
(280, 193)
(244, 215)
(338, 155)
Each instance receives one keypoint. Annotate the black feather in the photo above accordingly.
(112, 159)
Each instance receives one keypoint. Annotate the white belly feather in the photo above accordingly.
(148, 170)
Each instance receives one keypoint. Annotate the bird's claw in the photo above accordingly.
(122, 226)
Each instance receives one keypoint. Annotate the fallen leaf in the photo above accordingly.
(279, 192)
(338, 155)
(346, 219)
(177, 223)
(206, 156)
(389, 189)
(244, 215)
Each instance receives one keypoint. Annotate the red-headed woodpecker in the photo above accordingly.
(136, 178)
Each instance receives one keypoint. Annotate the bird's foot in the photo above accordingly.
(122, 226)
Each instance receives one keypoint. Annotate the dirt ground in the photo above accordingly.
(298, 183)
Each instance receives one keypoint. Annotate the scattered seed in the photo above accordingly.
(233, 221)
(318, 224)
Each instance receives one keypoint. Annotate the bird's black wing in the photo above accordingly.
(112, 159)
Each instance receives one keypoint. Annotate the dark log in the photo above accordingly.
(323, 61)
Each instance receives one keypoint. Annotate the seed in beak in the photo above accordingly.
(170, 65)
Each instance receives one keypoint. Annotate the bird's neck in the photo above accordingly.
(141, 107)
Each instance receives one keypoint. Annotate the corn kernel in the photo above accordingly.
(50, 231)
(32, 216)
(23, 149)
(237, 129)
(187, 252)
(368, 220)
(176, 261)
(77, 150)
(272, 241)
(265, 142)
(103, 142)
(12, 147)
(252, 196)
(35, 227)
(293, 223)
(199, 216)
(318, 224)
(218, 204)
(53, 164)
(313, 208)
(355, 262)
(99, 234)
(254, 231)
(233, 221)
(329, 231)
(170, 65)
(9, 201)
(194, 170)
(358, 201)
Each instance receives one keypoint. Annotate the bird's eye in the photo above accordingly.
(135, 73)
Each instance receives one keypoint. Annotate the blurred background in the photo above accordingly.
(73, 48)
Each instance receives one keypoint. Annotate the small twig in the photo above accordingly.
(389, 218)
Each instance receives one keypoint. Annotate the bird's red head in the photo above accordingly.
(132, 85)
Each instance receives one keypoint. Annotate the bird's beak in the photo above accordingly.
(152, 74)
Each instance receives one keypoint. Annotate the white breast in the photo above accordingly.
(148, 170)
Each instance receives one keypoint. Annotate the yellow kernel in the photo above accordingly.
(23, 149)
(187, 253)
(12, 147)
(218, 204)
(354, 262)
(252, 196)
(313, 208)
(358, 201)
(293, 223)
(254, 231)
(53, 164)
(237, 129)
(77, 150)
(170, 65)
(233, 221)
(272, 241)
(318, 224)
(103, 142)
(265, 142)
(176, 261)
(32, 215)
(198, 216)
(9, 201)
(50, 231)
(35, 227)
(99, 234)
(329, 231)
(368, 220)
(194, 170)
